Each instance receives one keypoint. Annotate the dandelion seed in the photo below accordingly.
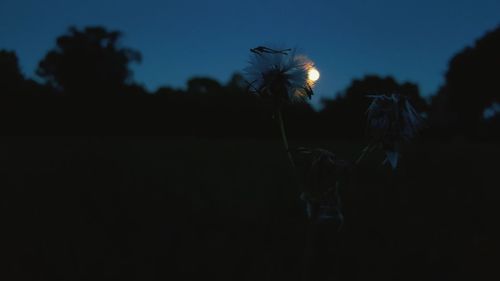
(280, 75)
(392, 120)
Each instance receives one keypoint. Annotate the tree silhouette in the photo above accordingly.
(471, 86)
(11, 79)
(203, 85)
(347, 112)
(88, 63)
(13, 84)
(236, 83)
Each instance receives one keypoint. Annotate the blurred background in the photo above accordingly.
(132, 150)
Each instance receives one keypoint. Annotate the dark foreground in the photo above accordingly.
(123, 208)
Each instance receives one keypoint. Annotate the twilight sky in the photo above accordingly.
(411, 40)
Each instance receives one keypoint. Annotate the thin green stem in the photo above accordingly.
(283, 136)
(363, 154)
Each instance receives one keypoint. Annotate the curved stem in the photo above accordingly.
(283, 136)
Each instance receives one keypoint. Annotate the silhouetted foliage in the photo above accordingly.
(347, 112)
(13, 84)
(236, 83)
(471, 86)
(10, 74)
(88, 63)
(203, 85)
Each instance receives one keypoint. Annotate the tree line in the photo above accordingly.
(87, 88)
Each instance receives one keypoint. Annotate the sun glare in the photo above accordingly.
(313, 74)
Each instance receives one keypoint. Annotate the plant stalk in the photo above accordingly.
(283, 136)
(363, 154)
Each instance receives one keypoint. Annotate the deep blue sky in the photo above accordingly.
(411, 40)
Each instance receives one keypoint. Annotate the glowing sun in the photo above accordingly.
(313, 74)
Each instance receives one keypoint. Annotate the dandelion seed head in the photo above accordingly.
(393, 116)
(392, 120)
(281, 75)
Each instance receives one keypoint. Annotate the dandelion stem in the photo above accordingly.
(283, 136)
(363, 154)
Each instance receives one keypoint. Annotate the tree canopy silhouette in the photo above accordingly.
(13, 84)
(88, 63)
(9, 67)
(11, 79)
(471, 85)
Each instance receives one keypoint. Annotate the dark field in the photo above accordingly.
(130, 208)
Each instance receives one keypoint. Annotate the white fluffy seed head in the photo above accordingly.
(279, 75)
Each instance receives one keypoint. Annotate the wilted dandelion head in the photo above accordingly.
(391, 120)
(321, 173)
(280, 75)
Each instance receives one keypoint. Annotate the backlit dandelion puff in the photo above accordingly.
(280, 75)
(391, 121)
